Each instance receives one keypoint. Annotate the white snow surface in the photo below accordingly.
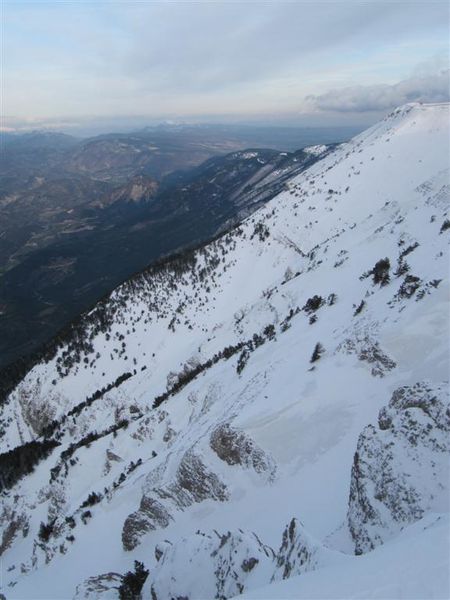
(287, 429)
(413, 566)
(315, 150)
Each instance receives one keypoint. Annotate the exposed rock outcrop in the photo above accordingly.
(235, 447)
(100, 587)
(201, 483)
(369, 351)
(297, 553)
(228, 564)
(400, 468)
(150, 515)
(111, 456)
(194, 482)
(12, 524)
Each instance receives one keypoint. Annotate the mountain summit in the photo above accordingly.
(267, 415)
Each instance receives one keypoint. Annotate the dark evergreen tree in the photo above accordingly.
(445, 225)
(133, 581)
(359, 308)
(318, 351)
(45, 531)
(380, 272)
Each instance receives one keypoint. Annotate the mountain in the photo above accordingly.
(52, 182)
(86, 239)
(49, 180)
(264, 415)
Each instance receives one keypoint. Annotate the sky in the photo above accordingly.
(66, 63)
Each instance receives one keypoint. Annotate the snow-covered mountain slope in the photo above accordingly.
(413, 566)
(291, 376)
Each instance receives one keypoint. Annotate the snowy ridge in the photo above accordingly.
(315, 150)
(238, 381)
(423, 551)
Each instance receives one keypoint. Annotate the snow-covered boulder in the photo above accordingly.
(230, 564)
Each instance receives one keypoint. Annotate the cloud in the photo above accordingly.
(198, 48)
(430, 88)
(177, 59)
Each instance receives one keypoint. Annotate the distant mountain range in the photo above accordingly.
(77, 217)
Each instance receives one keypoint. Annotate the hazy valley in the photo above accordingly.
(80, 216)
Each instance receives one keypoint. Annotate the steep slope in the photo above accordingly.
(413, 566)
(81, 238)
(207, 402)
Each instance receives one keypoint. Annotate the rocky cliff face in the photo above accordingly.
(400, 469)
(236, 448)
(230, 563)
